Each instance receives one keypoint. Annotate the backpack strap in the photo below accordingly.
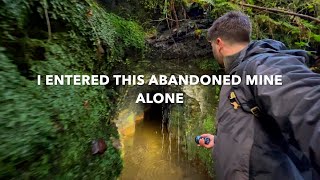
(248, 102)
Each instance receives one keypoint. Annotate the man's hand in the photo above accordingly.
(201, 141)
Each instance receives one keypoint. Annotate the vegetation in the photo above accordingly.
(294, 31)
(270, 19)
(208, 65)
(204, 125)
(188, 121)
(46, 131)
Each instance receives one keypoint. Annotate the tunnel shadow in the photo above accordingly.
(157, 114)
(153, 113)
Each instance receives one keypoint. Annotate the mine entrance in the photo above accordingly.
(150, 153)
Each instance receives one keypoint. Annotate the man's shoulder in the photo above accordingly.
(282, 60)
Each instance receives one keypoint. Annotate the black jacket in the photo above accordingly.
(244, 148)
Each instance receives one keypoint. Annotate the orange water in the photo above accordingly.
(146, 157)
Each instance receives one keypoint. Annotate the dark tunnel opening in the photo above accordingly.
(157, 113)
(154, 113)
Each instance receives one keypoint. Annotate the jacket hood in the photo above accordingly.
(272, 46)
(265, 46)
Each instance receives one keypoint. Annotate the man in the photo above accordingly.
(264, 131)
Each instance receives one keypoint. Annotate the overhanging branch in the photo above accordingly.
(279, 11)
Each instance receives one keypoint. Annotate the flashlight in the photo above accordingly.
(206, 139)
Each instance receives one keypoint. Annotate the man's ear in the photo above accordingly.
(219, 42)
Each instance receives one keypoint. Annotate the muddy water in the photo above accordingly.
(147, 156)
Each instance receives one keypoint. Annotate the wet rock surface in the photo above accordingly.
(186, 42)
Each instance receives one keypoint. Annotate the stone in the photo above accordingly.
(98, 146)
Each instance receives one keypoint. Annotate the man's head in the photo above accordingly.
(229, 34)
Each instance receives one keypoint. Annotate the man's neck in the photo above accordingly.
(235, 48)
(232, 55)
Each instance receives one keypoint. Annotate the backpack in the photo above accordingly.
(250, 104)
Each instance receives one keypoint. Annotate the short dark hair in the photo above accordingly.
(234, 27)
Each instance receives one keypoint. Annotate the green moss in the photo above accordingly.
(208, 65)
(46, 131)
(192, 121)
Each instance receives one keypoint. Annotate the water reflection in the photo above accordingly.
(145, 157)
